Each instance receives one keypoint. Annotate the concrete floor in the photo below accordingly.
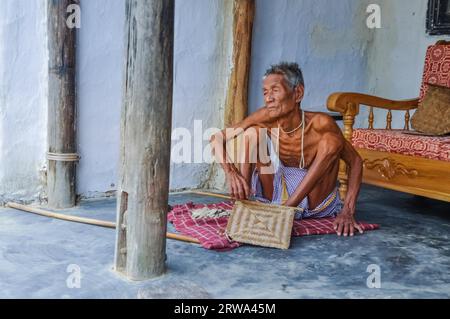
(410, 249)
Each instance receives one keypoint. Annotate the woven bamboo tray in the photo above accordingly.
(261, 224)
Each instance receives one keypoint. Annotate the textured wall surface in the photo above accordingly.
(100, 53)
(397, 55)
(328, 39)
(23, 99)
(203, 48)
(201, 72)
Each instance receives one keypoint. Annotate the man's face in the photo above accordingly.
(279, 99)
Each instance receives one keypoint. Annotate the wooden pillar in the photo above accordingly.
(61, 107)
(145, 140)
(236, 108)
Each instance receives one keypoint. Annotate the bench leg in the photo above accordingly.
(343, 180)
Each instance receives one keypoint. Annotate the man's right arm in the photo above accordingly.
(236, 182)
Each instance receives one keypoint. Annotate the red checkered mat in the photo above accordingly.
(211, 231)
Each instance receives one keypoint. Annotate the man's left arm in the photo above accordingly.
(345, 222)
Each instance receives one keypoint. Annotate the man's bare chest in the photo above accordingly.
(289, 147)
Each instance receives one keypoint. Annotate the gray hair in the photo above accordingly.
(291, 71)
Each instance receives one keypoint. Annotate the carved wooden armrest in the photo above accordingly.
(339, 101)
(348, 105)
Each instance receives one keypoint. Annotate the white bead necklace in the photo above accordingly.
(302, 157)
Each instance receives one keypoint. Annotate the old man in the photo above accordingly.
(308, 147)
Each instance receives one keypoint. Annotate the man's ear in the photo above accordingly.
(299, 91)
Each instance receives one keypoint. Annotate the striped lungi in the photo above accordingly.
(285, 182)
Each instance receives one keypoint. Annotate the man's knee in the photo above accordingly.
(249, 142)
(251, 135)
(265, 167)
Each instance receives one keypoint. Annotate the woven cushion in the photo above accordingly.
(261, 224)
(437, 68)
(395, 141)
(433, 115)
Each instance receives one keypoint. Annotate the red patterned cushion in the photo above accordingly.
(437, 68)
(395, 141)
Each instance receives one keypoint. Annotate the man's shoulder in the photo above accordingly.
(321, 120)
(259, 117)
(323, 124)
(262, 112)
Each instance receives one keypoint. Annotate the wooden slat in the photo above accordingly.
(389, 120)
(371, 118)
(339, 101)
(407, 118)
(236, 108)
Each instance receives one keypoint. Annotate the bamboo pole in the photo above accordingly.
(230, 198)
(88, 221)
(211, 194)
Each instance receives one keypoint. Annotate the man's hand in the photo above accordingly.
(345, 224)
(237, 185)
